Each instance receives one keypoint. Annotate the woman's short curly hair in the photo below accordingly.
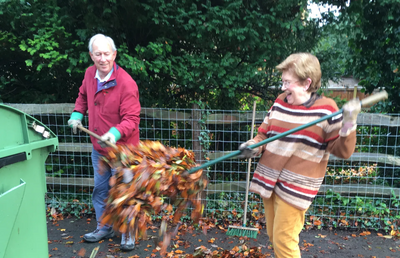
(304, 65)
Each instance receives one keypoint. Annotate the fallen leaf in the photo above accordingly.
(82, 252)
(317, 222)
(235, 249)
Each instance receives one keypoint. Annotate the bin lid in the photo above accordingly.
(19, 129)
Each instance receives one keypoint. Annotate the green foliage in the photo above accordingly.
(377, 51)
(37, 53)
(204, 136)
(230, 206)
(217, 48)
(374, 37)
(67, 205)
(333, 49)
(360, 212)
(329, 94)
(217, 52)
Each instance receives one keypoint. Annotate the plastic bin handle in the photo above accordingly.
(5, 161)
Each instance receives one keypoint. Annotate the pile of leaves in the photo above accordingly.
(144, 176)
(238, 251)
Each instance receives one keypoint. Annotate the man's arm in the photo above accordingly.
(129, 110)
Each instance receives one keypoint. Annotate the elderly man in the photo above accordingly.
(111, 97)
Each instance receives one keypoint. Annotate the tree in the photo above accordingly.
(374, 41)
(39, 61)
(216, 52)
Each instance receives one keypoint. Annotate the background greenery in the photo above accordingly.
(218, 54)
(222, 53)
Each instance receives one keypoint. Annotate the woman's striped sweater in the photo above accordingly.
(294, 166)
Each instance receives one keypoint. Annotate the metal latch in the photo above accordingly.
(40, 129)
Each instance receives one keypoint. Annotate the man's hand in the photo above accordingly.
(73, 123)
(107, 137)
(350, 112)
(113, 135)
(247, 152)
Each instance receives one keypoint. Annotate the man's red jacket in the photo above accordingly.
(116, 105)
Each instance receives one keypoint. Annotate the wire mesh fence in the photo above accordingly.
(362, 191)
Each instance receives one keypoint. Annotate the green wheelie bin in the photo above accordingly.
(25, 143)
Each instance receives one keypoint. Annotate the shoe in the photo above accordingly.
(98, 235)
(127, 243)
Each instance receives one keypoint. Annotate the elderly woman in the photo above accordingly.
(291, 169)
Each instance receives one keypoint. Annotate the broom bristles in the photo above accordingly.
(242, 231)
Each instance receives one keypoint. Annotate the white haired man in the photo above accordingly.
(111, 97)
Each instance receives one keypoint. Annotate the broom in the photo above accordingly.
(243, 230)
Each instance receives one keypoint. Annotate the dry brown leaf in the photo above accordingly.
(156, 171)
(82, 252)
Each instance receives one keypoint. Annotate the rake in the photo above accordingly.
(252, 232)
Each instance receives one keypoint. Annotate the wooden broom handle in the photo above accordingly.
(97, 136)
(374, 98)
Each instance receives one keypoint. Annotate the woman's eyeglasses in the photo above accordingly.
(287, 83)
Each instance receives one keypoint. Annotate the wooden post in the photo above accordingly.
(355, 92)
(196, 129)
(196, 147)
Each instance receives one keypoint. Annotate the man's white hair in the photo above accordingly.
(101, 36)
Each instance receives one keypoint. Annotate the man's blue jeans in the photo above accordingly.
(101, 188)
(100, 192)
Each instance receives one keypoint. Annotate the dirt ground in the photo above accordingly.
(65, 241)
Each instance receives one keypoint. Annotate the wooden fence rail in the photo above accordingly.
(229, 118)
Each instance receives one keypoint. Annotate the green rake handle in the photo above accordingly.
(365, 102)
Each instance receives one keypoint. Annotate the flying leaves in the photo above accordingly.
(144, 176)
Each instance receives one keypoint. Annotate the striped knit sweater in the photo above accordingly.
(294, 166)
